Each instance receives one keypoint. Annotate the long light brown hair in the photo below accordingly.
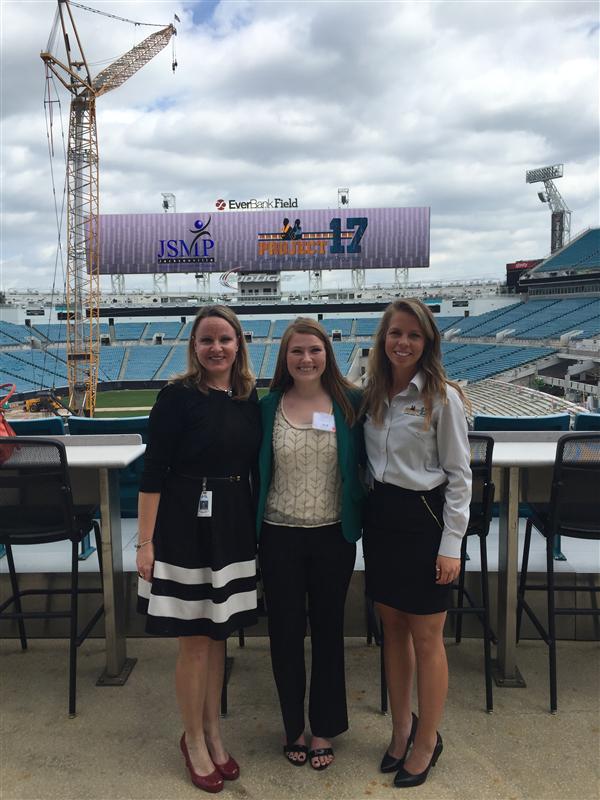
(332, 379)
(242, 379)
(379, 382)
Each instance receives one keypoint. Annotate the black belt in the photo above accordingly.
(208, 478)
(392, 487)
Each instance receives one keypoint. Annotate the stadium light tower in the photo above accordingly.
(168, 202)
(560, 229)
(160, 281)
(358, 275)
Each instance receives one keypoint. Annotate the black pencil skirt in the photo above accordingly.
(401, 539)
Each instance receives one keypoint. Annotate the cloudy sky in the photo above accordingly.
(440, 104)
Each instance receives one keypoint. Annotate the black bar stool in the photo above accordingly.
(36, 507)
(573, 511)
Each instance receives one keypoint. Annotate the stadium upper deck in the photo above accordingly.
(513, 341)
(582, 254)
(575, 268)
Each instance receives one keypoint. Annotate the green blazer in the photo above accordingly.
(349, 449)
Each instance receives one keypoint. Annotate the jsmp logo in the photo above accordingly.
(178, 251)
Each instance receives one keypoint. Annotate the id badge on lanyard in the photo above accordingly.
(205, 502)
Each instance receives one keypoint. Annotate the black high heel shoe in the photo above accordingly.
(391, 764)
(406, 779)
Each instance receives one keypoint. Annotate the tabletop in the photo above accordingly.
(108, 451)
(524, 454)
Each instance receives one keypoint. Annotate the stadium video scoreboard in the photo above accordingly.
(264, 241)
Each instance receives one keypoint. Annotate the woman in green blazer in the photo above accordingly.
(309, 518)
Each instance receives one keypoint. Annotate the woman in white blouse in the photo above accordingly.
(418, 511)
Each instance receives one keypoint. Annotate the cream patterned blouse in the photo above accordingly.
(306, 485)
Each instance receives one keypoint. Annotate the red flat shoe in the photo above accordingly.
(213, 782)
(230, 770)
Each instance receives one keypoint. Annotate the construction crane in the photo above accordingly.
(83, 258)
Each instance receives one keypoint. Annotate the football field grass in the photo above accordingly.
(130, 402)
(125, 403)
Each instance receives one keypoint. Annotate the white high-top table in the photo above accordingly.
(523, 463)
(94, 463)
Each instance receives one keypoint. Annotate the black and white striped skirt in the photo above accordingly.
(204, 579)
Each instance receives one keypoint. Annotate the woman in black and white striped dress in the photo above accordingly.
(196, 547)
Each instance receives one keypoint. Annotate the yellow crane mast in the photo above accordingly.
(83, 259)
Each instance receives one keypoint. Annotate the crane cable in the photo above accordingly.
(59, 216)
(55, 26)
(53, 32)
(114, 16)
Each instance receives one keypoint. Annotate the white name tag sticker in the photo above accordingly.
(323, 422)
(205, 504)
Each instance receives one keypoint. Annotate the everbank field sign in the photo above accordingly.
(256, 205)
(264, 241)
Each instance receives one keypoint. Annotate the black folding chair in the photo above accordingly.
(482, 500)
(36, 507)
(573, 511)
(242, 643)
(375, 633)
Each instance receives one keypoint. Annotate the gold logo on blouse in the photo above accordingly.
(414, 410)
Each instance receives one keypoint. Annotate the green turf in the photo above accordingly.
(112, 414)
(126, 398)
(119, 414)
(140, 401)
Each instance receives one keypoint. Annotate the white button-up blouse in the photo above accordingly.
(401, 452)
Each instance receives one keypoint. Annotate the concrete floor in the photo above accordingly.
(123, 745)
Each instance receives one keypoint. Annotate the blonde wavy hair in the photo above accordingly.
(379, 381)
(242, 378)
(332, 379)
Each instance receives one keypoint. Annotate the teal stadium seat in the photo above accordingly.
(548, 422)
(47, 426)
(12, 334)
(258, 327)
(169, 330)
(343, 325)
(129, 331)
(279, 327)
(129, 477)
(587, 422)
(581, 253)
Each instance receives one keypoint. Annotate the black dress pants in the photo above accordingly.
(318, 563)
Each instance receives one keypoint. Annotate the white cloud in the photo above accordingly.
(407, 103)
